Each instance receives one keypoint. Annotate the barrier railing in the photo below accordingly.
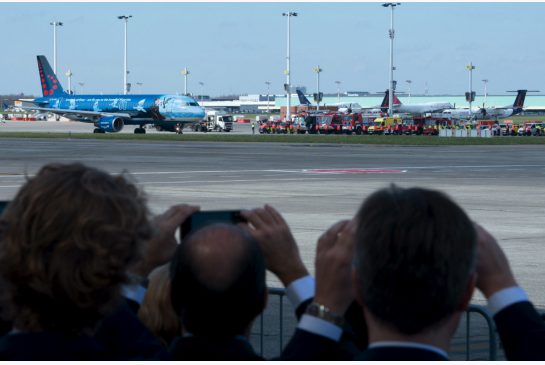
(279, 315)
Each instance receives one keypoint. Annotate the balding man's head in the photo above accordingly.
(218, 281)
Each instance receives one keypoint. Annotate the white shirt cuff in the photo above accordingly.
(134, 292)
(320, 327)
(300, 290)
(505, 297)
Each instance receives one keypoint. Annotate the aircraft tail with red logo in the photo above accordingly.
(385, 102)
(48, 80)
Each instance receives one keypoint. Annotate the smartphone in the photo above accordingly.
(3, 205)
(201, 219)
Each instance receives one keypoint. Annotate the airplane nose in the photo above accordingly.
(198, 111)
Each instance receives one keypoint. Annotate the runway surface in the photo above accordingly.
(314, 186)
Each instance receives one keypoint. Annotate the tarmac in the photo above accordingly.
(314, 186)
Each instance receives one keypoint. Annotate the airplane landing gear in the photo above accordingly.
(178, 129)
(139, 131)
(98, 130)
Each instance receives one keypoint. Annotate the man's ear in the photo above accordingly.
(468, 293)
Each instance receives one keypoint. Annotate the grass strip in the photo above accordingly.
(329, 139)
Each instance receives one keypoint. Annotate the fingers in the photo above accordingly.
(328, 239)
(274, 214)
(263, 217)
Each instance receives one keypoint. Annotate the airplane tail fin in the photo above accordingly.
(50, 84)
(302, 98)
(519, 100)
(396, 100)
(384, 104)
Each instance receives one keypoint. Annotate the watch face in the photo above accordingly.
(321, 311)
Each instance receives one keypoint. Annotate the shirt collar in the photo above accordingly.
(409, 344)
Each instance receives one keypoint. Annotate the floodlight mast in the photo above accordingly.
(338, 91)
(268, 93)
(55, 25)
(317, 69)
(391, 34)
(69, 75)
(485, 91)
(470, 68)
(185, 72)
(287, 72)
(125, 72)
(409, 82)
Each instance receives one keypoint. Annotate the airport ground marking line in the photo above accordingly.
(316, 177)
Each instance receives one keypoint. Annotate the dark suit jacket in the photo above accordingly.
(50, 346)
(126, 338)
(197, 348)
(394, 353)
(522, 332)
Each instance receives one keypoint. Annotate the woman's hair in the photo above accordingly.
(156, 310)
(66, 241)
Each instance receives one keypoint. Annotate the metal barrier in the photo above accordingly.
(280, 293)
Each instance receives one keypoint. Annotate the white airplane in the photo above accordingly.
(488, 113)
(348, 107)
(422, 108)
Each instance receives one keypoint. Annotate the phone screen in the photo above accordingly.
(201, 219)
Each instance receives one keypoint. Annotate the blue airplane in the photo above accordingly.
(110, 113)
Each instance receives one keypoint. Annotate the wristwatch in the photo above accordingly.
(321, 311)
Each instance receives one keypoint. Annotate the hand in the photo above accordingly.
(493, 270)
(272, 233)
(161, 247)
(334, 256)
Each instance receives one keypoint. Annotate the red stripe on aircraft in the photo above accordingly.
(354, 171)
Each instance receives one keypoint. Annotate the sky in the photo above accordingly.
(234, 48)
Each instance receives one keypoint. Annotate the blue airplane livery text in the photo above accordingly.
(110, 113)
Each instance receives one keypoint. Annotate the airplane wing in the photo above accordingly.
(77, 113)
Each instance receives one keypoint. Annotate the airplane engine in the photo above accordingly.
(111, 124)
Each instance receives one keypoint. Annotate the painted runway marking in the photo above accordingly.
(355, 171)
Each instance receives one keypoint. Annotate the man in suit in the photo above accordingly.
(218, 288)
(411, 257)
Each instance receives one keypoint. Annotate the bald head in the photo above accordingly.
(218, 281)
(218, 253)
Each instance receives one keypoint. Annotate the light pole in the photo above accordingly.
(268, 93)
(185, 72)
(338, 91)
(317, 69)
(125, 72)
(470, 68)
(69, 75)
(139, 84)
(391, 33)
(409, 82)
(485, 93)
(81, 84)
(287, 72)
(55, 25)
(202, 90)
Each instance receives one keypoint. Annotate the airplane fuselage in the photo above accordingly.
(421, 108)
(140, 109)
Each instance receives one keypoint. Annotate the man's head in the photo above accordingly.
(415, 256)
(218, 281)
(66, 241)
